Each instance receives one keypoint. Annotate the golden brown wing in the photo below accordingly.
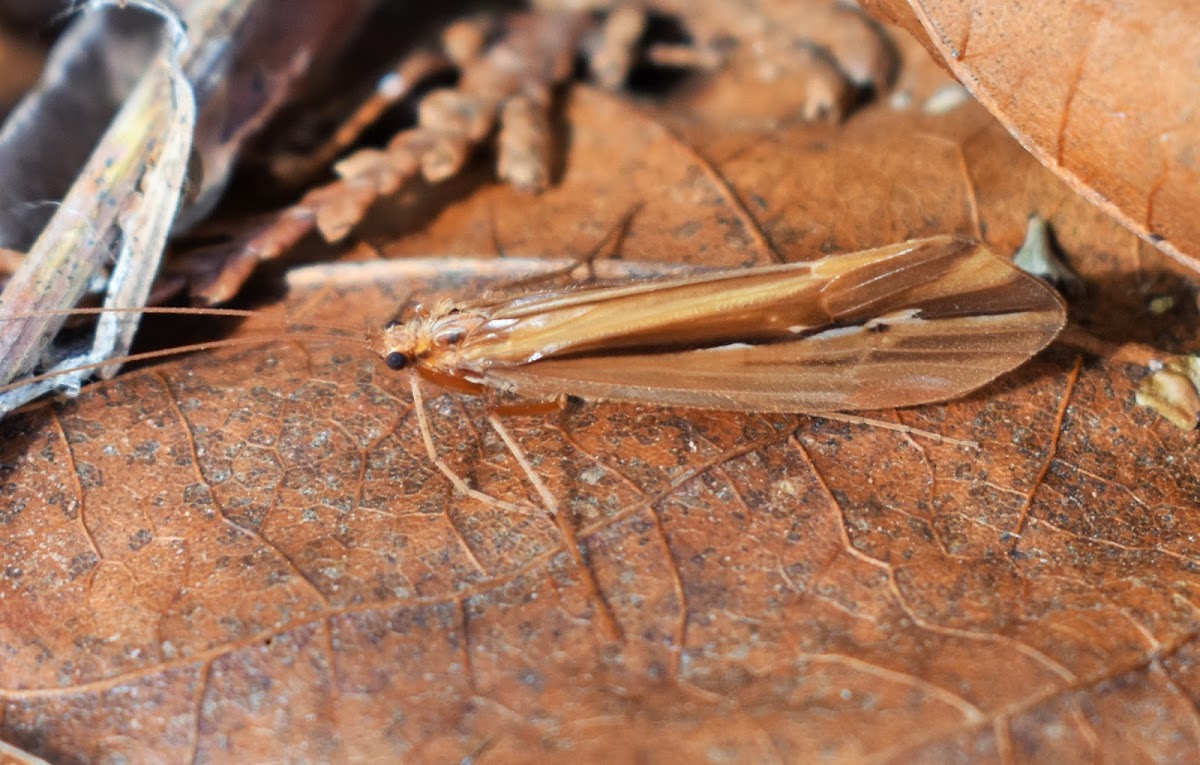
(895, 361)
(906, 324)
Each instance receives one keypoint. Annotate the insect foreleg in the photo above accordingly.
(454, 478)
(570, 541)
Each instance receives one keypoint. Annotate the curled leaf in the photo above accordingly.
(1174, 391)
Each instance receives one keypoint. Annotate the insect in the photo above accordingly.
(911, 323)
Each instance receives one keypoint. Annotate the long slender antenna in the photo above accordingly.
(239, 313)
(229, 342)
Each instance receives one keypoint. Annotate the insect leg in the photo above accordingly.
(616, 235)
(855, 419)
(607, 619)
(555, 405)
(454, 478)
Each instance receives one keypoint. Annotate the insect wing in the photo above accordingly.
(901, 325)
(763, 303)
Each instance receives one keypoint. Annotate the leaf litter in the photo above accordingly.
(255, 541)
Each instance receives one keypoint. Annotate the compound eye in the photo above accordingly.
(396, 360)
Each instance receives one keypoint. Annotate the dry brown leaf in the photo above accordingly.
(248, 556)
(1103, 94)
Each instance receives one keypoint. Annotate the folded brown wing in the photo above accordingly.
(902, 325)
(893, 362)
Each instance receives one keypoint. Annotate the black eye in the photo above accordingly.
(396, 360)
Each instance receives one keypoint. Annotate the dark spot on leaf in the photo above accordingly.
(140, 539)
(533, 679)
(90, 476)
(10, 512)
(146, 452)
(199, 498)
(81, 564)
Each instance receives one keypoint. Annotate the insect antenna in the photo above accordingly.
(326, 332)
(237, 313)
(179, 350)
(407, 306)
